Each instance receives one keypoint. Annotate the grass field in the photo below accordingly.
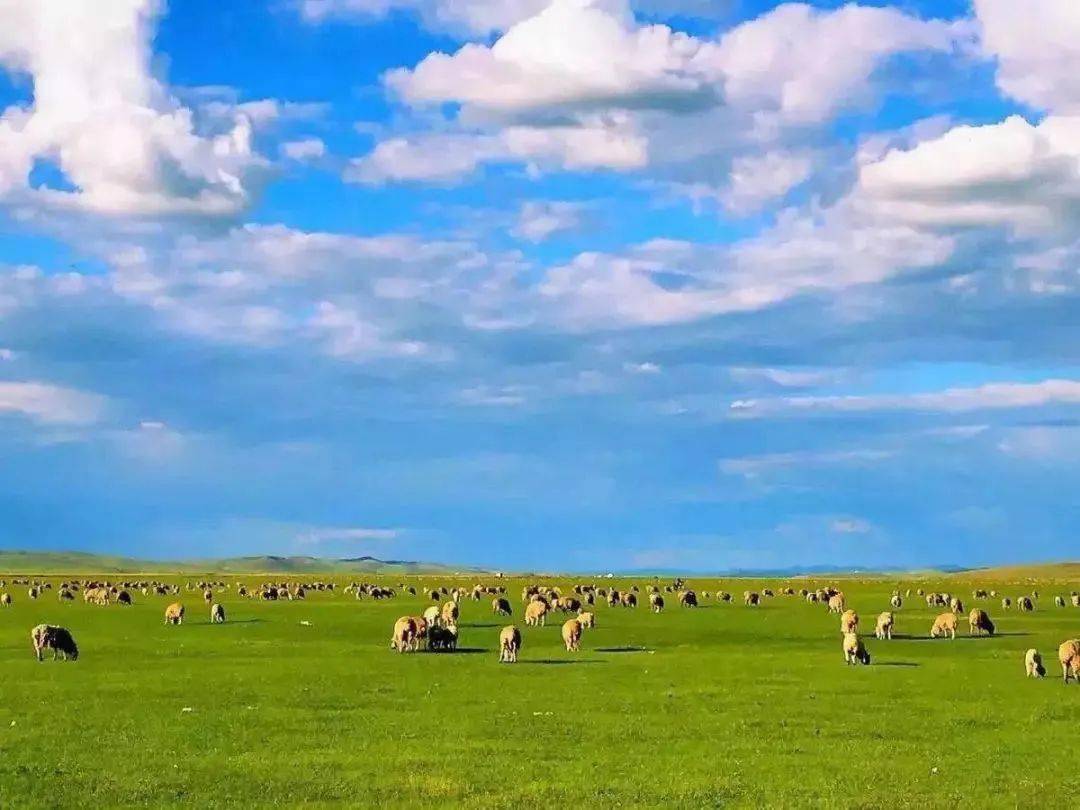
(722, 705)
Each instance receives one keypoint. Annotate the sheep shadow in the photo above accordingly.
(461, 651)
(560, 662)
(897, 664)
(225, 623)
(627, 649)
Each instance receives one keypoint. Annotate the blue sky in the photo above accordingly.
(578, 284)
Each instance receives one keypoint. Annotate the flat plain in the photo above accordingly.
(303, 702)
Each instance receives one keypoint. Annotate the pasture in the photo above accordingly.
(303, 702)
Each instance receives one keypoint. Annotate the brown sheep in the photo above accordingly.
(58, 639)
(1033, 664)
(854, 650)
(217, 613)
(688, 599)
(945, 624)
(404, 636)
(979, 622)
(629, 600)
(837, 603)
(509, 645)
(443, 639)
(450, 613)
(1025, 604)
(1069, 656)
(536, 613)
(751, 598)
(571, 635)
(587, 619)
(849, 622)
(656, 602)
(884, 627)
(500, 606)
(174, 614)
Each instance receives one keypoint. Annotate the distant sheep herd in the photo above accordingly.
(436, 629)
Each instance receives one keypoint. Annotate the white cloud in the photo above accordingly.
(1013, 173)
(785, 377)
(337, 534)
(609, 142)
(951, 400)
(539, 220)
(755, 180)
(752, 466)
(474, 16)
(572, 52)
(850, 526)
(50, 404)
(776, 65)
(115, 132)
(642, 368)
(304, 150)
(1037, 47)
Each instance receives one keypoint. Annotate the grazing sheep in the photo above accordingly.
(5, 599)
(945, 624)
(500, 606)
(629, 600)
(751, 598)
(536, 613)
(1069, 656)
(1006, 603)
(896, 601)
(509, 645)
(432, 615)
(849, 622)
(1059, 601)
(443, 638)
(571, 635)
(956, 606)
(1033, 664)
(836, 603)
(1076, 600)
(979, 622)
(884, 627)
(656, 602)
(404, 636)
(450, 612)
(208, 596)
(217, 613)
(587, 619)
(854, 650)
(688, 599)
(1025, 604)
(122, 598)
(57, 639)
(174, 614)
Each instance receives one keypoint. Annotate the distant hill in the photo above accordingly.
(1069, 571)
(77, 562)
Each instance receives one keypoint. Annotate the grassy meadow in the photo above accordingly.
(303, 703)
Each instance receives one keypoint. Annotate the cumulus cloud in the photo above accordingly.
(304, 150)
(50, 404)
(1037, 48)
(608, 142)
(776, 64)
(573, 52)
(1014, 173)
(755, 180)
(539, 220)
(123, 143)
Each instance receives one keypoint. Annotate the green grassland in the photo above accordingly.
(302, 703)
